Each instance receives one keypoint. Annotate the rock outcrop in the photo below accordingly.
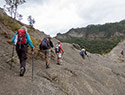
(95, 32)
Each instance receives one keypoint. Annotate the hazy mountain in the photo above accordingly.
(93, 32)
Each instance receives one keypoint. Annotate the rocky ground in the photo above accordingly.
(100, 75)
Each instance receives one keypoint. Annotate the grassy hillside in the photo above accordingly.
(9, 26)
(109, 29)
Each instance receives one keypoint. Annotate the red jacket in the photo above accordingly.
(61, 48)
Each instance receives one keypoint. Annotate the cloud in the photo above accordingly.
(53, 16)
(105, 11)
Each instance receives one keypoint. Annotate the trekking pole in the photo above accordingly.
(88, 58)
(12, 57)
(62, 54)
(32, 64)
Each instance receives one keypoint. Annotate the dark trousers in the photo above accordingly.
(22, 54)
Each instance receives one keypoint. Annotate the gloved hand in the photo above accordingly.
(62, 53)
(32, 49)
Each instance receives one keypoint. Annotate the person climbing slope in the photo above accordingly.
(22, 40)
(123, 53)
(45, 46)
(83, 53)
(59, 51)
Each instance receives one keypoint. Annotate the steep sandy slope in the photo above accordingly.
(115, 54)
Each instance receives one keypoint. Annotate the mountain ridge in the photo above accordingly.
(93, 32)
(96, 38)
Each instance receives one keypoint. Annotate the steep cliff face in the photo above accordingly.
(100, 75)
(72, 33)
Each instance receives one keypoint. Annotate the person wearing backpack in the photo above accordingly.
(22, 40)
(59, 51)
(123, 53)
(83, 53)
(45, 46)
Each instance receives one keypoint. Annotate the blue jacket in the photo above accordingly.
(28, 39)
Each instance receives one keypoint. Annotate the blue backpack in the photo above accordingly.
(44, 44)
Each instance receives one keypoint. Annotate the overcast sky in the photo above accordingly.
(58, 16)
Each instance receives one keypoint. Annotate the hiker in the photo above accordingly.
(122, 53)
(59, 51)
(22, 40)
(45, 46)
(83, 53)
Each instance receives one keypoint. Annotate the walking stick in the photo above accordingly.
(62, 54)
(88, 58)
(32, 64)
(12, 58)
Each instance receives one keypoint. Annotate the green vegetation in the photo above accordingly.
(109, 29)
(105, 37)
(95, 46)
(10, 23)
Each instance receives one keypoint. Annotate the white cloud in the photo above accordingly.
(53, 16)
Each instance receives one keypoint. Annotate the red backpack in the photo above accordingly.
(21, 37)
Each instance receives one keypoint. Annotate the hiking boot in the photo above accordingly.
(47, 66)
(58, 63)
(22, 71)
